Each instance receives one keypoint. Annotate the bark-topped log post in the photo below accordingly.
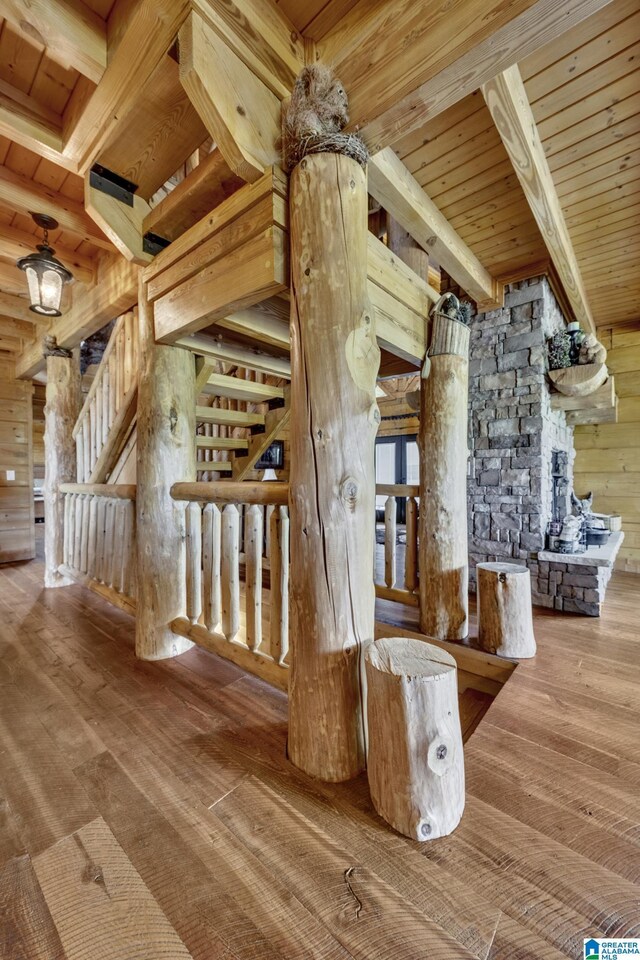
(166, 455)
(62, 407)
(443, 551)
(334, 420)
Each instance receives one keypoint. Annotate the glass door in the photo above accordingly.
(396, 462)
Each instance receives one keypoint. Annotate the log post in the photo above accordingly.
(416, 762)
(334, 420)
(442, 524)
(505, 620)
(166, 455)
(63, 402)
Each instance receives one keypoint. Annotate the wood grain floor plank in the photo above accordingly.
(35, 777)
(365, 914)
(274, 908)
(99, 904)
(185, 762)
(209, 922)
(27, 931)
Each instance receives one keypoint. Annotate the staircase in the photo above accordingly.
(106, 427)
(242, 407)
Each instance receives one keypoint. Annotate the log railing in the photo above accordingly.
(107, 408)
(234, 533)
(100, 539)
(390, 589)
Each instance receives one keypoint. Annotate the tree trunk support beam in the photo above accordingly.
(166, 455)
(334, 420)
(63, 402)
(442, 441)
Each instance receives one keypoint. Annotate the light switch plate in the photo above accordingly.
(11, 474)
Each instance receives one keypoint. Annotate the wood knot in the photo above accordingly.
(349, 491)
(241, 110)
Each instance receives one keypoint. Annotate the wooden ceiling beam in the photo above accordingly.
(402, 66)
(509, 106)
(27, 122)
(259, 34)
(73, 34)
(115, 292)
(400, 194)
(211, 182)
(241, 114)
(10, 327)
(25, 196)
(12, 344)
(18, 308)
(121, 223)
(18, 243)
(150, 32)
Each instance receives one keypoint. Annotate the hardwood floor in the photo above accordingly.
(147, 810)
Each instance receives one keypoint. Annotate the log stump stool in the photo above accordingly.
(415, 763)
(505, 621)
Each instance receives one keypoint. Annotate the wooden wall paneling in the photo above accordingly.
(608, 455)
(17, 533)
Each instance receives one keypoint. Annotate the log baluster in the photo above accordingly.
(193, 525)
(279, 579)
(253, 568)
(230, 571)
(411, 553)
(211, 531)
(390, 536)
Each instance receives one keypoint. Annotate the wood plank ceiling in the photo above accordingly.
(585, 97)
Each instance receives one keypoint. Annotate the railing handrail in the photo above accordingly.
(116, 491)
(269, 492)
(99, 373)
(397, 490)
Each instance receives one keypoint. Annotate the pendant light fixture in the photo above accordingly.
(45, 274)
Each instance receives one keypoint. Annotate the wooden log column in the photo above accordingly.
(443, 550)
(62, 407)
(334, 420)
(166, 454)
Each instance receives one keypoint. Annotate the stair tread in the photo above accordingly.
(223, 385)
(235, 418)
(221, 466)
(221, 443)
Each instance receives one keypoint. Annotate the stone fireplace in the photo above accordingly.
(521, 452)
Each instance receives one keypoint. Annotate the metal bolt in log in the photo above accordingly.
(416, 763)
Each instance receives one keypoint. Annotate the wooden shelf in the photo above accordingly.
(601, 406)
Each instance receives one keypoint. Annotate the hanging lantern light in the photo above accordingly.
(46, 276)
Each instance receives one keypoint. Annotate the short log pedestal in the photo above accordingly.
(505, 622)
(416, 762)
